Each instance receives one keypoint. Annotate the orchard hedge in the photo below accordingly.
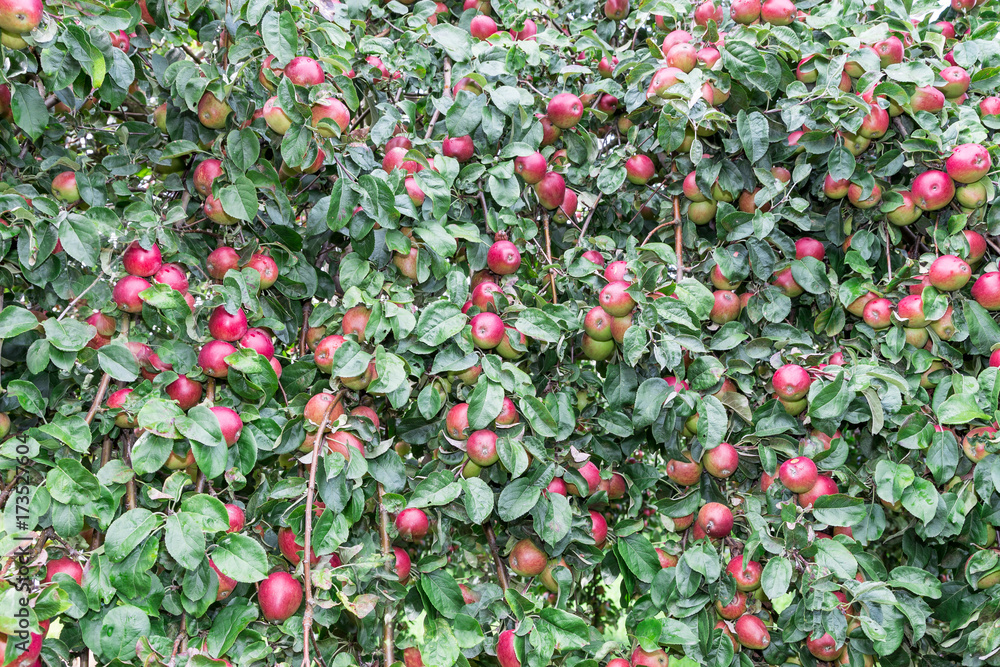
(636, 334)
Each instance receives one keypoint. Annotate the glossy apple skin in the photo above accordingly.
(280, 596)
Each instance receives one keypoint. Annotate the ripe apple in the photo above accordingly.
(550, 133)
(708, 56)
(304, 71)
(835, 188)
(715, 519)
(590, 473)
(615, 299)
(412, 524)
(726, 307)
(482, 26)
(564, 111)
(927, 98)
(527, 34)
(126, 293)
(975, 441)
(275, 116)
(551, 190)
(531, 168)
(64, 187)
(212, 358)
(597, 324)
(213, 112)
(223, 325)
(890, 51)
(956, 82)
(527, 559)
(684, 472)
(402, 566)
(221, 260)
(824, 486)
(266, 267)
(503, 258)
(237, 518)
(968, 163)
(460, 148)
(662, 81)
(317, 406)
(911, 309)
(791, 382)
(752, 633)
(682, 56)
(798, 474)
(229, 422)
(507, 650)
(875, 123)
(746, 572)
(933, 190)
(481, 447)
(989, 106)
(949, 273)
(205, 174)
(105, 324)
(186, 392)
(332, 109)
(877, 313)
(986, 290)
(487, 330)
(824, 647)
(226, 584)
(259, 340)
(734, 608)
(639, 169)
(785, 281)
(778, 12)
(19, 17)
(616, 10)
(977, 246)
(721, 461)
(596, 350)
(746, 12)
(566, 210)
(606, 67)
(280, 596)
(63, 566)
(705, 12)
(905, 213)
(172, 275)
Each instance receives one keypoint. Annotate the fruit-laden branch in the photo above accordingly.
(387, 622)
(497, 560)
(590, 215)
(307, 617)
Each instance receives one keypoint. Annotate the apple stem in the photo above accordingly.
(501, 570)
(307, 617)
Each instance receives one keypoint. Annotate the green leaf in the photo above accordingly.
(15, 321)
(30, 112)
(281, 37)
(485, 404)
(754, 134)
(639, 556)
(121, 628)
(184, 539)
(443, 592)
(839, 510)
(534, 323)
(28, 396)
(241, 558)
(118, 361)
(239, 199)
(129, 531)
(456, 42)
(776, 577)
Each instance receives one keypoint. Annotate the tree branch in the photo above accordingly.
(388, 642)
(307, 617)
(102, 389)
(548, 256)
(586, 223)
(497, 560)
(306, 310)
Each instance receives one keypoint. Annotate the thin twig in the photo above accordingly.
(548, 256)
(447, 88)
(102, 389)
(678, 238)
(72, 303)
(307, 616)
(388, 643)
(888, 252)
(586, 223)
(306, 309)
(497, 560)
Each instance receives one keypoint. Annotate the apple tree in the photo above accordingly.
(349, 333)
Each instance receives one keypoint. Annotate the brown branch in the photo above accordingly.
(307, 617)
(130, 499)
(102, 389)
(306, 310)
(447, 88)
(548, 256)
(388, 644)
(98, 536)
(586, 223)
(177, 642)
(497, 560)
(678, 238)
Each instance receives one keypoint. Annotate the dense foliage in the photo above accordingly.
(651, 334)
